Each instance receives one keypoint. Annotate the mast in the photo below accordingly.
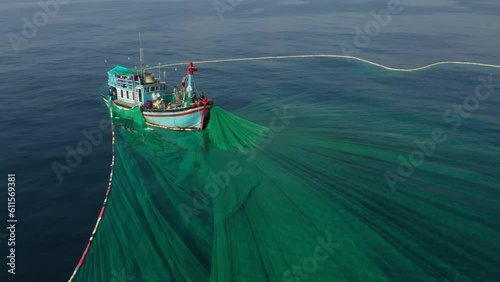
(143, 76)
(191, 70)
(134, 90)
(141, 53)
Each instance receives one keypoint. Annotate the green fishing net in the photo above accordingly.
(134, 114)
(297, 194)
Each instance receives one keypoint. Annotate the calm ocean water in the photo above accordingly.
(50, 92)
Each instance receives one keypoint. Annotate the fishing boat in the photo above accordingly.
(182, 109)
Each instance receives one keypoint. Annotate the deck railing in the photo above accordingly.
(123, 82)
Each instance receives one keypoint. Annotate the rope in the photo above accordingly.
(89, 244)
(336, 56)
(197, 94)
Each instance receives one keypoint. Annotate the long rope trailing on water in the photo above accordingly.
(334, 56)
(104, 204)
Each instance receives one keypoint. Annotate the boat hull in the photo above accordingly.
(189, 118)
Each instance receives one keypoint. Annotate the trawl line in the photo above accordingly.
(333, 56)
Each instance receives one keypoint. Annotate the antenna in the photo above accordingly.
(141, 53)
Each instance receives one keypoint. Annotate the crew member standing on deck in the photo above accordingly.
(183, 82)
(176, 98)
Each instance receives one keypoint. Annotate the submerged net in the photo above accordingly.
(300, 195)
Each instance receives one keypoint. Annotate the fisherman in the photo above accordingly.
(183, 83)
(176, 98)
(193, 97)
(112, 93)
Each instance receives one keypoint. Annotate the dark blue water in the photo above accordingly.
(49, 86)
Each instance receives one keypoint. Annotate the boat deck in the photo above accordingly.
(128, 105)
(123, 104)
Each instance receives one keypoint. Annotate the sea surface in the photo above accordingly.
(340, 169)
